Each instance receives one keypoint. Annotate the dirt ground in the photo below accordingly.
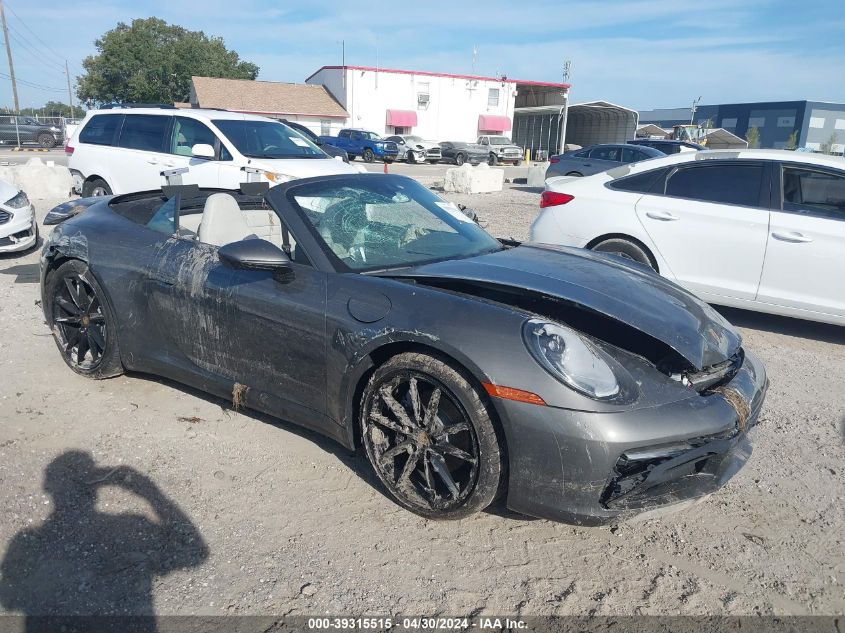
(135, 495)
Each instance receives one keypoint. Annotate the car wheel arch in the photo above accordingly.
(623, 236)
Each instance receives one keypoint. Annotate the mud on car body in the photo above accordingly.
(580, 386)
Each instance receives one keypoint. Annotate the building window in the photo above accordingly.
(817, 121)
(423, 95)
(493, 98)
(729, 123)
(757, 121)
(786, 121)
(840, 124)
(325, 127)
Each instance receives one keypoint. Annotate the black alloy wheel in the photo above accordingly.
(46, 140)
(81, 322)
(429, 438)
(460, 159)
(368, 155)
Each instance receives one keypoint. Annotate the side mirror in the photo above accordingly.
(202, 150)
(255, 254)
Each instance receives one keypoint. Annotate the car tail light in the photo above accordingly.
(553, 199)
(554, 159)
(68, 149)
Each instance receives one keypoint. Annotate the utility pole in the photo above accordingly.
(693, 110)
(69, 93)
(9, 54)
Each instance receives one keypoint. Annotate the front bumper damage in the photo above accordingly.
(594, 468)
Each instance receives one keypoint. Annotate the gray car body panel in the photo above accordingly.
(301, 347)
(569, 163)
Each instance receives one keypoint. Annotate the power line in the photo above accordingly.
(22, 40)
(34, 34)
(31, 84)
(35, 56)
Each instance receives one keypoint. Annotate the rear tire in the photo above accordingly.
(627, 249)
(430, 439)
(96, 187)
(368, 155)
(46, 140)
(82, 322)
(576, 174)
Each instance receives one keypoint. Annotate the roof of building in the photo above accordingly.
(525, 82)
(266, 97)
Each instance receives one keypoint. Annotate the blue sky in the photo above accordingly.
(639, 53)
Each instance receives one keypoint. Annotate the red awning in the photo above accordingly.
(493, 123)
(402, 118)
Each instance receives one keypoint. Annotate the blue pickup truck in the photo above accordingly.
(367, 145)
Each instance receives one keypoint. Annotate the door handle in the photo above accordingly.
(664, 216)
(792, 236)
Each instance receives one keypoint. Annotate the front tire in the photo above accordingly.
(491, 160)
(430, 438)
(460, 159)
(368, 155)
(626, 249)
(410, 158)
(82, 323)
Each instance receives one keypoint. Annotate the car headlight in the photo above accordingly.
(273, 176)
(18, 202)
(55, 129)
(573, 360)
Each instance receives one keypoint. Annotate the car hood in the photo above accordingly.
(628, 293)
(7, 192)
(304, 167)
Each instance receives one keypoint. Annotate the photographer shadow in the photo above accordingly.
(84, 564)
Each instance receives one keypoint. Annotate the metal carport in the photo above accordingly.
(543, 128)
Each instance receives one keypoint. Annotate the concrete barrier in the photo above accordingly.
(469, 179)
(39, 179)
(537, 175)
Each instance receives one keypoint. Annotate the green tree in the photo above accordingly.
(753, 138)
(151, 61)
(55, 108)
(792, 140)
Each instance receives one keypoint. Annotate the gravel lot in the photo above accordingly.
(136, 495)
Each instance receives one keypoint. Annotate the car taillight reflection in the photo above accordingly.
(68, 149)
(554, 159)
(553, 199)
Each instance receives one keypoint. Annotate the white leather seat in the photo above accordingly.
(223, 222)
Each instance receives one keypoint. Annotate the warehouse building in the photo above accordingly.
(816, 125)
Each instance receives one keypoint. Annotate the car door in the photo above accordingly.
(140, 155)
(246, 326)
(804, 258)
(184, 133)
(709, 221)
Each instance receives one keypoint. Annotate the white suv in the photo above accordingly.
(124, 150)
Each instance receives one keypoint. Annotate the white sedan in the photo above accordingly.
(756, 229)
(18, 230)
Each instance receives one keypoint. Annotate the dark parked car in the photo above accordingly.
(28, 130)
(459, 152)
(331, 150)
(668, 146)
(586, 386)
(597, 158)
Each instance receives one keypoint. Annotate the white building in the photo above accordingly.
(436, 106)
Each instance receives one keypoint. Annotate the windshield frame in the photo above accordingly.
(500, 140)
(288, 191)
(316, 152)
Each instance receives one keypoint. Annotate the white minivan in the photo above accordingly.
(120, 151)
